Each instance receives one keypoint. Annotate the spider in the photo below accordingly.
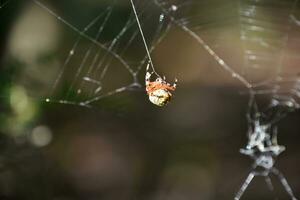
(264, 149)
(159, 91)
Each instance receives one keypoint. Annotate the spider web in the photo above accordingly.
(102, 49)
(84, 77)
(268, 44)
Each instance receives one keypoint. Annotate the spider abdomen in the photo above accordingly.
(160, 97)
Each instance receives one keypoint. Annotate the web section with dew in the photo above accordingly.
(107, 55)
(269, 69)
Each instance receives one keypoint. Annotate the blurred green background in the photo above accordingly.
(125, 147)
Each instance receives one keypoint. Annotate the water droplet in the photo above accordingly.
(161, 17)
(174, 8)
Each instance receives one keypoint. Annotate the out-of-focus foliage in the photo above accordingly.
(124, 148)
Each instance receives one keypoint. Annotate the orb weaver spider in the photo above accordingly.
(159, 91)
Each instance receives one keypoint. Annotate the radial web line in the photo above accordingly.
(73, 50)
(82, 33)
(112, 45)
(108, 50)
(221, 62)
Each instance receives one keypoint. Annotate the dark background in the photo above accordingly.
(126, 148)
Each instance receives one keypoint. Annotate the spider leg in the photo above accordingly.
(148, 76)
(147, 68)
(284, 183)
(148, 73)
(245, 185)
(269, 183)
(164, 80)
(175, 83)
